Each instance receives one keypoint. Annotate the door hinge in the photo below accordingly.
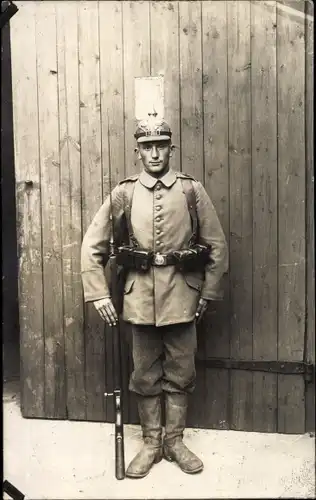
(282, 367)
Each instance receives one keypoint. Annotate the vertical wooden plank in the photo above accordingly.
(91, 175)
(164, 43)
(69, 136)
(291, 212)
(112, 120)
(264, 184)
(111, 72)
(191, 97)
(216, 324)
(10, 303)
(136, 48)
(310, 217)
(55, 389)
(90, 124)
(239, 100)
(28, 205)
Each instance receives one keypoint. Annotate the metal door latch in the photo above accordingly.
(274, 366)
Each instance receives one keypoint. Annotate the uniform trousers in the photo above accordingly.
(164, 359)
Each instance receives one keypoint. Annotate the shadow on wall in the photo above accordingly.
(10, 315)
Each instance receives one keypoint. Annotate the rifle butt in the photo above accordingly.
(119, 458)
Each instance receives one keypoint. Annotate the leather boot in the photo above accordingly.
(174, 449)
(149, 409)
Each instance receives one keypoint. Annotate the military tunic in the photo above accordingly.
(161, 222)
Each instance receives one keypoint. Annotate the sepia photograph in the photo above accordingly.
(158, 249)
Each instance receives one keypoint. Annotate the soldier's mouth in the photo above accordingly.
(155, 163)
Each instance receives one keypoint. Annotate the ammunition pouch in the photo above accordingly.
(192, 259)
(131, 258)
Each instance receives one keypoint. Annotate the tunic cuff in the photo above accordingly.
(214, 296)
(95, 286)
(212, 292)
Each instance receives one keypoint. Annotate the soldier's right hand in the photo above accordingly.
(106, 310)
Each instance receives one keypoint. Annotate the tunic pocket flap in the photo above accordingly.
(128, 285)
(194, 282)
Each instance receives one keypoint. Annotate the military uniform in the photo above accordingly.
(161, 303)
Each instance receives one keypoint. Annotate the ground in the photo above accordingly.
(48, 459)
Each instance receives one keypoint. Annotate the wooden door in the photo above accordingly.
(238, 90)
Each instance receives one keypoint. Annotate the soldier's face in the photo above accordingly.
(155, 156)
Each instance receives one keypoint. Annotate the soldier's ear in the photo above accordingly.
(137, 153)
(172, 147)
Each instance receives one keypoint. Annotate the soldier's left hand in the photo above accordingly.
(202, 306)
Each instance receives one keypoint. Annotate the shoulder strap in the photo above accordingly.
(132, 178)
(189, 192)
(183, 175)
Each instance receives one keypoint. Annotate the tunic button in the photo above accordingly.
(158, 231)
(158, 219)
(158, 186)
(158, 196)
(158, 242)
(158, 207)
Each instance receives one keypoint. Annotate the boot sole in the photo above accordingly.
(137, 476)
(169, 459)
(140, 476)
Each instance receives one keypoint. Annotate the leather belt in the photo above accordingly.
(163, 259)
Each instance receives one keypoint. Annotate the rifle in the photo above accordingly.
(116, 346)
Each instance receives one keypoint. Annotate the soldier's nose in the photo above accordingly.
(154, 152)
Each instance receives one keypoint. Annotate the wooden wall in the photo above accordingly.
(10, 309)
(238, 89)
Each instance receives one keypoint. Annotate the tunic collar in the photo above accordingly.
(149, 181)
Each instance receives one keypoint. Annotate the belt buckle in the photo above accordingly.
(159, 260)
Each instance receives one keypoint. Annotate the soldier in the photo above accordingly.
(172, 219)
